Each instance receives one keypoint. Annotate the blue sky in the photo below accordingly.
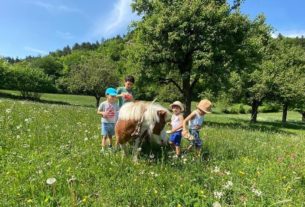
(35, 27)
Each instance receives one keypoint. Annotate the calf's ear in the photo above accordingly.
(161, 112)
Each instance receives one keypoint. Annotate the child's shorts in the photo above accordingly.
(176, 138)
(107, 129)
(197, 141)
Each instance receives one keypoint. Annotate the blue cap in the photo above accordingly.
(111, 92)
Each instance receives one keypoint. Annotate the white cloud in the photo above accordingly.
(120, 16)
(64, 35)
(52, 7)
(35, 50)
(290, 33)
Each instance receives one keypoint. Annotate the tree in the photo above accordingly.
(92, 76)
(49, 65)
(31, 82)
(191, 40)
(290, 76)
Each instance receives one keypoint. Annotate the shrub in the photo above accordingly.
(30, 82)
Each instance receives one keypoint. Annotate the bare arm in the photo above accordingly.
(189, 117)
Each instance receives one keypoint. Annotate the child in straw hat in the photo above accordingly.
(195, 121)
(176, 123)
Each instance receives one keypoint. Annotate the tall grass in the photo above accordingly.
(243, 164)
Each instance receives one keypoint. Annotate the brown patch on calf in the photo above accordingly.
(159, 126)
(124, 129)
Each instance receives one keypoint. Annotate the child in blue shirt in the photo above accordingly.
(195, 121)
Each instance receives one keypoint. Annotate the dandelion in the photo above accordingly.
(257, 192)
(51, 181)
(228, 185)
(216, 204)
(218, 194)
(216, 170)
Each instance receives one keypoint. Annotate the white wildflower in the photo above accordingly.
(227, 172)
(51, 181)
(257, 192)
(8, 111)
(228, 185)
(86, 139)
(218, 194)
(19, 126)
(216, 169)
(151, 156)
(216, 204)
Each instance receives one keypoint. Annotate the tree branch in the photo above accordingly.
(194, 82)
(170, 80)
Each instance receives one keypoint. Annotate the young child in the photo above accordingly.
(126, 93)
(109, 111)
(195, 121)
(176, 123)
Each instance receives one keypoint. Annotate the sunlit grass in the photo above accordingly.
(243, 164)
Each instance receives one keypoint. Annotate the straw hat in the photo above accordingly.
(205, 105)
(177, 103)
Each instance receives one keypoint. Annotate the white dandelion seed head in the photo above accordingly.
(216, 204)
(51, 181)
(218, 194)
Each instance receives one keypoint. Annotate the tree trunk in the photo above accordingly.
(187, 94)
(97, 98)
(254, 112)
(303, 116)
(284, 116)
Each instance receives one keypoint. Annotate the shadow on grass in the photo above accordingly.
(16, 97)
(263, 126)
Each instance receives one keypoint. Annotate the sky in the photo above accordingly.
(36, 27)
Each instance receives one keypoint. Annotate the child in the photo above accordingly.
(195, 121)
(126, 93)
(109, 111)
(176, 123)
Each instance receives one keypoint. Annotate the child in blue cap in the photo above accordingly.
(109, 112)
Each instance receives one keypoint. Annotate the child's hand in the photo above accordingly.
(184, 132)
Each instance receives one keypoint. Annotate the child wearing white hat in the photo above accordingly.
(176, 123)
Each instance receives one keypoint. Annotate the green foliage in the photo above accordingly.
(49, 65)
(182, 42)
(270, 107)
(93, 76)
(236, 109)
(30, 82)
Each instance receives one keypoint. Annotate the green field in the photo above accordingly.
(243, 164)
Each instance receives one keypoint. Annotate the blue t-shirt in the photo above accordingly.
(196, 122)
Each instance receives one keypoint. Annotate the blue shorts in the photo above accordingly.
(197, 141)
(175, 138)
(107, 129)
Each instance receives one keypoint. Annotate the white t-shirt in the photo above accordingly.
(112, 108)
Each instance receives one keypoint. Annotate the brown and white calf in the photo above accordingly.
(138, 121)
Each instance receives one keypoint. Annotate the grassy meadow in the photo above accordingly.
(243, 164)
